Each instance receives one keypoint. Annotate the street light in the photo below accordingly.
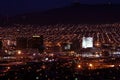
(19, 52)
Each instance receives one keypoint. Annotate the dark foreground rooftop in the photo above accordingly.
(57, 71)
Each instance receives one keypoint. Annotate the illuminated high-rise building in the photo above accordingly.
(87, 42)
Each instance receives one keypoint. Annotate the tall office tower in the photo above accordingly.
(1, 44)
(87, 42)
(21, 43)
(41, 44)
(75, 45)
(36, 42)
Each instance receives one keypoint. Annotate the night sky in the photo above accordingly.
(13, 7)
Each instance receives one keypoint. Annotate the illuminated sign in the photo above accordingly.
(36, 36)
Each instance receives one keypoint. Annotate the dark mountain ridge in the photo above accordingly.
(75, 14)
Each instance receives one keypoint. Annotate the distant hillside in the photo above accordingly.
(2, 19)
(75, 14)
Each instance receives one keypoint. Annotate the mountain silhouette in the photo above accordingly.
(74, 14)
